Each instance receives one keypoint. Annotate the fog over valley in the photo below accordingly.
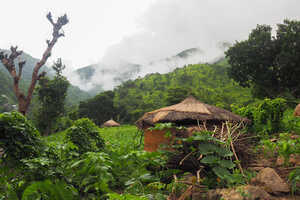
(169, 27)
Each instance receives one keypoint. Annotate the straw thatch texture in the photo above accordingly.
(297, 111)
(110, 123)
(188, 109)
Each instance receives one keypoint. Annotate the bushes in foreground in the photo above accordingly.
(18, 137)
(84, 134)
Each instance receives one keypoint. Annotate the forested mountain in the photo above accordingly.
(207, 82)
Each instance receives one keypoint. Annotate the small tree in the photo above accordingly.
(9, 63)
(52, 95)
(99, 108)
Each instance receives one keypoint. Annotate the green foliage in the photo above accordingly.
(284, 146)
(115, 196)
(294, 178)
(214, 152)
(266, 115)
(210, 155)
(290, 122)
(176, 95)
(266, 63)
(6, 86)
(208, 83)
(58, 67)
(99, 109)
(123, 139)
(62, 124)
(18, 137)
(51, 95)
(8, 178)
(85, 135)
(48, 190)
(91, 174)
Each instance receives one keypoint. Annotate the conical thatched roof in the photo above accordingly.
(188, 109)
(297, 111)
(110, 123)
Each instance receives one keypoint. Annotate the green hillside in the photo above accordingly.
(207, 82)
(6, 86)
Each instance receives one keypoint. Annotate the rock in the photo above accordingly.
(248, 192)
(271, 181)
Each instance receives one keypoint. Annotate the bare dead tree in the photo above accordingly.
(9, 63)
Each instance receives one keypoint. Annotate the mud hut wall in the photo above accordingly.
(154, 138)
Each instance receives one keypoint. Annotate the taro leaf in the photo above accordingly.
(224, 152)
(227, 164)
(223, 173)
(210, 159)
(207, 148)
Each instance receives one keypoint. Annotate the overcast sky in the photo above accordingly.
(137, 31)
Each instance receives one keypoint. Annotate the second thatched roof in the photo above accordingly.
(110, 123)
(188, 109)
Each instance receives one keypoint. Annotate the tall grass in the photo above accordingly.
(125, 138)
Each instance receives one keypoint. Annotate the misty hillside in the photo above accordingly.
(74, 95)
(99, 77)
(94, 78)
(29, 65)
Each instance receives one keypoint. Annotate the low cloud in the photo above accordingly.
(171, 26)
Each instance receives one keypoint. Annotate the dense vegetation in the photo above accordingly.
(269, 64)
(83, 161)
(126, 103)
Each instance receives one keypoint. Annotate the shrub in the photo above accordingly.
(294, 178)
(91, 174)
(18, 137)
(85, 135)
(62, 124)
(266, 115)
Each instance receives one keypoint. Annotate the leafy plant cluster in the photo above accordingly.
(294, 178)
(19, 139)
(284, 146)
(266, 115)
(211, 156)
(84, 134)
(79, 166)
(34, 169)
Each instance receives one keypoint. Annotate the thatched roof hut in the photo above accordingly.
(110, 123)
(188, 110)
(297, 111)
(189, 113)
